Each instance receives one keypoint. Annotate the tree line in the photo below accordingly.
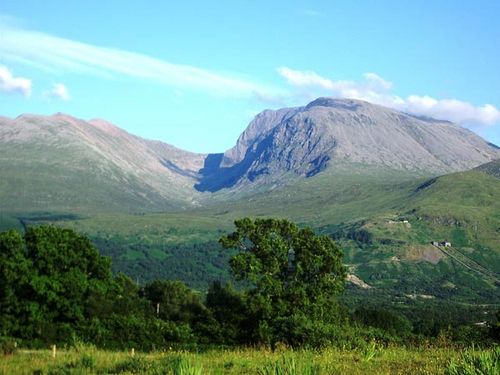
(55, 287)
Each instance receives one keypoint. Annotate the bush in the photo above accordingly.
(133, 365)
(82, 366)
(141, 365)
(7, 346)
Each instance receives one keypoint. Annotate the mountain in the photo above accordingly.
(304, 141)
(62, 163)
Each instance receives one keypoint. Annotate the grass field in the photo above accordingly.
(372, 360)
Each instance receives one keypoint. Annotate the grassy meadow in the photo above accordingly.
(371, 360)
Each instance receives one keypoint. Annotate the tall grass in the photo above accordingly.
(183, 366)
(287, 365)
(374, 359)
(472, 362)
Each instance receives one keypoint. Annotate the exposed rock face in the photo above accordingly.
(256, 132)
(306, 140)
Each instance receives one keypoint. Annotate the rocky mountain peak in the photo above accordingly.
(344, 104)
(304, 141)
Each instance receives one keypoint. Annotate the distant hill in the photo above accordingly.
(385, 222)
(60, 163)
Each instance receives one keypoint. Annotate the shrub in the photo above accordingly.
(133, 365)
(82, 366)
(7, 346)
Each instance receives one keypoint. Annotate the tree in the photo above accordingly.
(294, 277)
(46, 279)
(228, 309)
(390, 321)
(177, 304)
(175, 301)
(15, 273)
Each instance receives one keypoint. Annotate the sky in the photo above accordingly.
(195, 73)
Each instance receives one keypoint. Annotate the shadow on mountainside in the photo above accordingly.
(213, 177)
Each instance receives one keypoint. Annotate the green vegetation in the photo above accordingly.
(472, 363)
(365, 214)
(390, 360)
(363, 209)
(56, 289)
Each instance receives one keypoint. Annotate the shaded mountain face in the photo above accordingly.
(59, 162)
(306, 140)
(492, 168)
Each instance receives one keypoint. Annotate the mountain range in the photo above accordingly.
(383, 183)
(62, 163)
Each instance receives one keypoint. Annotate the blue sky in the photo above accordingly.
(194, 73)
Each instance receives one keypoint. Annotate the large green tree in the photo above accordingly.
(294, 277)
(46, 280)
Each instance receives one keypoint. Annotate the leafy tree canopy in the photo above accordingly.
(46, 279)
(294, 276)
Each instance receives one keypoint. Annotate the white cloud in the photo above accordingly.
(11, 84)
(375, 89)
(59, 91)
(59, 55)
(453, 110)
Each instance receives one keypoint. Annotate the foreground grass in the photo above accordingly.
(372, 360)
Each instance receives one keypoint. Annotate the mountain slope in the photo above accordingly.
(492, 168)
(62, 163)
(396, 251)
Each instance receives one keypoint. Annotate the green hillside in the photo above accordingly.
(366, 211)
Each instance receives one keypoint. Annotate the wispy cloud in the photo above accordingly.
(375, 89)
(58, 91)
(54, 54)
(11, 84)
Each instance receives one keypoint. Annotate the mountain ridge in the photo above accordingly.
(277, 148)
